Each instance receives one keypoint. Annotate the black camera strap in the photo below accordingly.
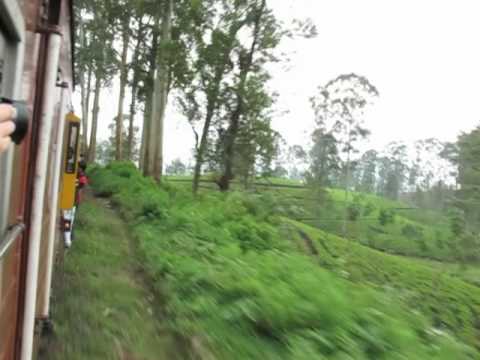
(20, 119)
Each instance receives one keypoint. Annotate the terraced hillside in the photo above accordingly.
(379, 223)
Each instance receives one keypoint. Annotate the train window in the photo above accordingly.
(73, 133)
(12, 28)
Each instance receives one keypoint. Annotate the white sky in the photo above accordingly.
(422, 55)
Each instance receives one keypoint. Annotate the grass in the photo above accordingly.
(103, 310)
(252, 284)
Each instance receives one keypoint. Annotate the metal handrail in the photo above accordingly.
(9, 239)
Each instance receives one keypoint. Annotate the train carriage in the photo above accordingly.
(36, 67)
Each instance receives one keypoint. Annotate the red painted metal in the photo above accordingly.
(14, 277)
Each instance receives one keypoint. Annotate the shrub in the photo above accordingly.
(353, 211)
(412, 231)
(457, 224)
(386, 217)
(368, 209)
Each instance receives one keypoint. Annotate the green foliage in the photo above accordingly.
(103, 308)
(176, 167)
(450, 303)
(368, 209)
(464, 154)
(109, 181)
(386, 217)
(105, 152)
(325, 209)
(457, 224)
(354, 210)
(412, 231)
(231, 275)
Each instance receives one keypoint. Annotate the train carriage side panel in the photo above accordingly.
(20, 170)
(12, 177)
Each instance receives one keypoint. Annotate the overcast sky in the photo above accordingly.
(422, 55)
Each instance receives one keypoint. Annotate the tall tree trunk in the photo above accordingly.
(131, 123)
(146, 146)
(86, 117)
(85, 89)
(161, 93)
(83, 104)
(133, 112)
(347, 184)
(152, 132)
(212, 102)
(95, 110)
(203, 142)
(144, 154)
(123, 85)
(232, 131)
(133, 104)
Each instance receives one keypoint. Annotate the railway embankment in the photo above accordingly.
(104, 308)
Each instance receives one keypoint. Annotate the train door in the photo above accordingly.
(11, 62)
(70, 169)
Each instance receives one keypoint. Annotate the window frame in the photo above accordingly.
(12, 27)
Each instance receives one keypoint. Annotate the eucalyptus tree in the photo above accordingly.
(121, 16)
(211, 42)
(229, 47)
(297, 158)
(83, 69)
(398, 157)
(176, 167)
(141, 36)
(248, 88)
(147, 92)
(393, 170)
(160, 95)
(173, 23)
(135, 26)
(430, 174)
(467, 197)
(256, 148)
(367, 172)
(250, 76)
(339, 113)
(248, 145)
(465, 215)
(324, 160)
(109, 147)
(96, 55)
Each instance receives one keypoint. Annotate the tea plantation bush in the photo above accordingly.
(231, 280)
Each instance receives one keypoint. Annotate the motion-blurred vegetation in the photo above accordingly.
(247, 282)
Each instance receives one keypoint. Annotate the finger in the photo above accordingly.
(5, 143)
(6, 112)
(6, 128)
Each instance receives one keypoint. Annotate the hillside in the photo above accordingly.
(245, 282)
(407, 230)
(450, 303)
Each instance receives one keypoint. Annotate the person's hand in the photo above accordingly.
(7, 126)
